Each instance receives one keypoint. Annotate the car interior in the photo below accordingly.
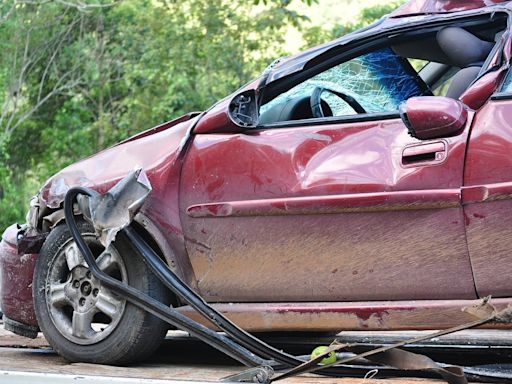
(441, 61)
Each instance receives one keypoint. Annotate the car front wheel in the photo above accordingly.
(85, 321)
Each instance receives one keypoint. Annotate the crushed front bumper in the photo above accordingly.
(16, 271)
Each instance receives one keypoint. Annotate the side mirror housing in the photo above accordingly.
(231, 115)
(432, 117)
(243, 109)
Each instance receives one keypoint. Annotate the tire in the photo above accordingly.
(85, 322)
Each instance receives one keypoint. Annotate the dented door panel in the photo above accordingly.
(325, 212)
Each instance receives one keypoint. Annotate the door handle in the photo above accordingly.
(424, 154)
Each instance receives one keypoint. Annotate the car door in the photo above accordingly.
(487, 192)
(343, 208)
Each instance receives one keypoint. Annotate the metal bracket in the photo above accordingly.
(261, 375)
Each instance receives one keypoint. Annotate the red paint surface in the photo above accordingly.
(435, 116)
(159, 154)
(216, 119)
(16, 280)
(363, 311)
(335, 317)
(482, 89)
(162, 127)
(487, 197)
(372, 202)
(486, 193)
(260, 199)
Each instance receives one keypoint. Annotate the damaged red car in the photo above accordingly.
(362, 184)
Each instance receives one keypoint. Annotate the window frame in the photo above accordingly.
(355, 49)
(500, 94)
(406, 67)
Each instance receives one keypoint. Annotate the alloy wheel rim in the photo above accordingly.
(82, 310)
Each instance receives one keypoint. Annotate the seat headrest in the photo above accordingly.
(463, 48)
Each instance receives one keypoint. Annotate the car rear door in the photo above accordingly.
(487, 192)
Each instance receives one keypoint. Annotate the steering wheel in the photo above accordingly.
(316, 101)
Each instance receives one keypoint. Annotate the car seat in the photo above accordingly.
(466, 51)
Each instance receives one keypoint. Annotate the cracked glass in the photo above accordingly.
(379, 81)
(507, 83)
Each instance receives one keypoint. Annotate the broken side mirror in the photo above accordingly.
(243, 109)
(432, 117)
(233, 115)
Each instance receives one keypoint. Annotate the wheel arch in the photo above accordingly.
(158, 242)
(149, 232)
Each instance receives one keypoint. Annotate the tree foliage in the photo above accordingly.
(79, 75)
(318, 34)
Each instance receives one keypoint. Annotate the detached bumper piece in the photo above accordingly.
(111, 215)
(16, 270)
(21, 329)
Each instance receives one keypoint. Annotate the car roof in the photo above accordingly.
(420, 7)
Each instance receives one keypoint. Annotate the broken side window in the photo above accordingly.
(379, 81)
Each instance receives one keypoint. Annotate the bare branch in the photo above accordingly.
(31, 111)
(8, 13)
(84, 7)
(56, 50)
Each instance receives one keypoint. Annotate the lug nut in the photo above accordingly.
(81, 302)
(86, 288)
(88, 274)
(76, 284)
(95, 292)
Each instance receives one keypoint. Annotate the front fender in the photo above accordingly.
(160, 153)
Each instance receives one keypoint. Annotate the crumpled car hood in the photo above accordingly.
(154, 150)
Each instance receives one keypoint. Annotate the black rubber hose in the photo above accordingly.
(241, 353)
(239, 349)
(147, 303)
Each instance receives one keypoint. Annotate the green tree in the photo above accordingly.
(79, 76)
(315, 35)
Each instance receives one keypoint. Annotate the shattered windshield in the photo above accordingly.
(379, 81)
